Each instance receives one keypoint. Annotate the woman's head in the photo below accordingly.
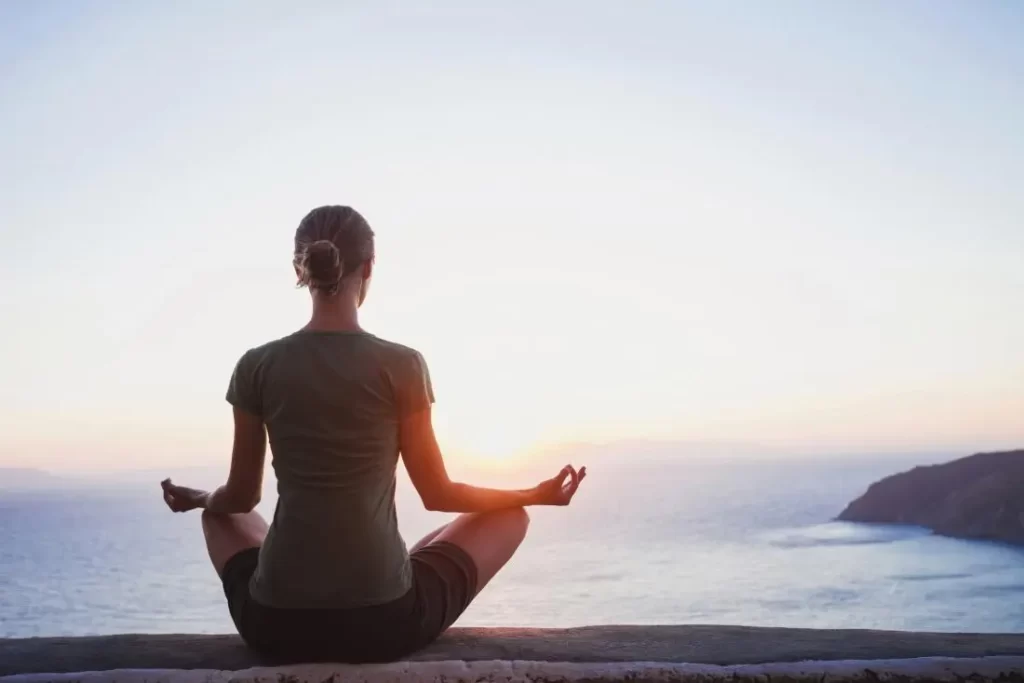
(333, 244)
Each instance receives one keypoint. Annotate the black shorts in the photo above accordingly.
(444, 581)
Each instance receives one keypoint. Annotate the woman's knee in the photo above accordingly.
(490, 538)
(519, 518)
(227, 535)
(488, 528)
(249, 528)
(209, 517)
(214, 526)
(514, 521)
(213, 522)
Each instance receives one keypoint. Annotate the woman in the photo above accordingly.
(330, 577)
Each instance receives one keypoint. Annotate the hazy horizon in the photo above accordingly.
(797, 226)
(598, 456)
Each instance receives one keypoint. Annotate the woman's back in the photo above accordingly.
(330, 578)
(332, 402)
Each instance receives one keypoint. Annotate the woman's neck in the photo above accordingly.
(336, 313)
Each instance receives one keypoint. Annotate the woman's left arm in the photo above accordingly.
(244, 487)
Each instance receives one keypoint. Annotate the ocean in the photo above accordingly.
(680, 540)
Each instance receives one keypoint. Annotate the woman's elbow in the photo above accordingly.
(435, 505)
(437, 496)
(254, 501)
(243, 505)
(437, 501)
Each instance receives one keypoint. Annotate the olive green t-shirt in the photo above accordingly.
(332, 402)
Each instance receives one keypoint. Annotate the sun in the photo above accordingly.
(495, 445)
(482, 439)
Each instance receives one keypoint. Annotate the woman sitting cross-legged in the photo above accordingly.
(330, 577)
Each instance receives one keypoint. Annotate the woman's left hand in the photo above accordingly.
(182, 498)
(560, 489)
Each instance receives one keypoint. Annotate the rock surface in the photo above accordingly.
(923, 670)
(977, 497)
(721, 645)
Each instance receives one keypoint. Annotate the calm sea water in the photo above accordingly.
(737, 542)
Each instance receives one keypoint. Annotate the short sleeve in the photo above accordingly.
(415, 392)
(243, 389)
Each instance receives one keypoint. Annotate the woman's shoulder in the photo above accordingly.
(268, 347)
(392, 346)
(268, 351)
(255, 356)
(393, 350)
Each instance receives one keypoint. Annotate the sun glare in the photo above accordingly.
(481, 441)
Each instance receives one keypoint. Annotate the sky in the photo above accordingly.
(797, 224)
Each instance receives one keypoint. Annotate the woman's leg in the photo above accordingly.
(490, 538)
(428, 538)
(228, 535)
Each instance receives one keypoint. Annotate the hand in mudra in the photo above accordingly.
(182, 498)
(560, 489)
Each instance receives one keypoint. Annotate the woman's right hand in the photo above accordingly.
(560, 489)
(183, 498)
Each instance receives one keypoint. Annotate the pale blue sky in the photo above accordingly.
(795, 223)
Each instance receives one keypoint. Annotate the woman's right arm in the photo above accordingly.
(425, 464)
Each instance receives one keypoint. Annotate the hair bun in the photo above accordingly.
(331, 243)
(321, 266)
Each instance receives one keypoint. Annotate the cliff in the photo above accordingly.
(977, 497)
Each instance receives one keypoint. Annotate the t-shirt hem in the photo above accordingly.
(321, 603)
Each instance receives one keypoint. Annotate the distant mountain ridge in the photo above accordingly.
(34, 479)
(977, 497)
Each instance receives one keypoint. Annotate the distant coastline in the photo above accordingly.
(28, 479)
(976, 497)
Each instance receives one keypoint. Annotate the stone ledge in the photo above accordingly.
(167, 657)
(930, 670)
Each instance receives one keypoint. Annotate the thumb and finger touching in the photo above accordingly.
(566, 482)
(178, 498)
